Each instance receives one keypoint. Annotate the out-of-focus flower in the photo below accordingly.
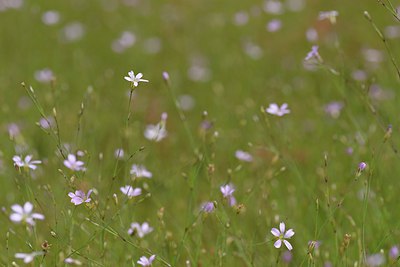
(79, 197)
(362, 166)
(28, 257)
(50, 17)
(26, 163)
(24, 214)
(140, 171)
(44, 76)
(73, 164)
(146, 262)
(240, 18)
(394, 252)
(46, 123)
(135, 79)
(129, 191)
(72, 261)
(208, 207)
(73, 32)
(287, 256)
(282, 235)
(274, 25)
(157, 132)
(331, 15)
(375, 260)
(140, 229)
(243, 156)
(313, 54)
(119, 153)
(227, 193)
(312, 35)
(333, 109)
(126, 40)
(274, 109)
(273, 7)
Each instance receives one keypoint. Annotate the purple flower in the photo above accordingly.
(243, 156)
(394, 252)
(73, 164)
(79, 197)
(287, 256)
(282, 236)
(375, 260)
(27, 163)
(362, 166)
(313, 54)
(24, 214)
(227, 192)
(274, 109)
(146, 262)
(333, 109)
(208, 207)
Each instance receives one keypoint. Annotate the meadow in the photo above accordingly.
(199, 133)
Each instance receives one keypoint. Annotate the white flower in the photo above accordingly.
(72, 261)
(26, 162)
(28, 257)
(146, 262)
(140, 171)
(281, 235)
(79, 197)
(24, 214)
(140, 230)
(274, 109)
(331, 15)
(135, 79)
(72, 163)
(157, 132)
(243, 156)
(130, 191)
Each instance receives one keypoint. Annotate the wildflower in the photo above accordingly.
(208, 207)
(135, 79)
(375, 260)
(146, 262)
(157, 132)
(131, 192)
(331, 15)
(26, 162)
(274, 25)
(243, 156)
(334, 108)
(73, 164)
(287, 257)
(313, 54)
(361, 166)
(44, 76)
(28, 257)
(282, 236)
(274, 109)
(140, 171)
(119, 153)
(72, 261)
(79, 197)
(140, 230)
(394, 252)
(227, 192)
(24, 214)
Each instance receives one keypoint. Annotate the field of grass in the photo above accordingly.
(193, 164)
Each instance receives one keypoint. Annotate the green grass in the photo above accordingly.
(300, 173)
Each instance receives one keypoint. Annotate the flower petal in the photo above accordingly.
(289, 233)
(288, 245)
(278, 243)
(282, 227)
(275, 232)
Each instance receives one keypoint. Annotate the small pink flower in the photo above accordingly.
(79, 197)
(24, 214)
(73, 164)
(274, 109)
(146, 262)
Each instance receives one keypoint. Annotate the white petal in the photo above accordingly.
(28, 207)
(278, 243)
(275, 232)
(282, 227)
(17, 208)
(288, 245)
(289, 233)
(16, 217)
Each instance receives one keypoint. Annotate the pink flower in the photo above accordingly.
(146, 262)
(79, 197)
(274, 109)
(26, 162)
(73, 164)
